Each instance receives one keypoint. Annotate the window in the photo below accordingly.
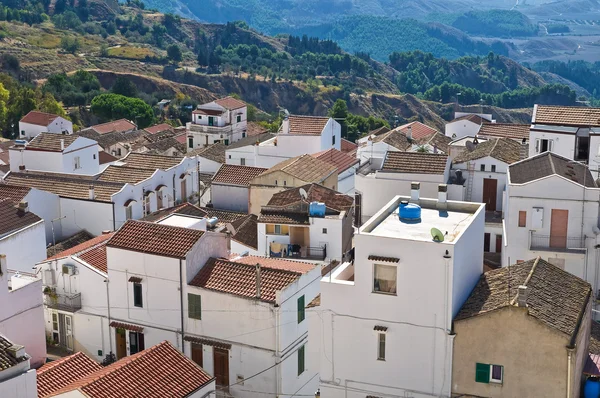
(194, 306)
(242, 161)
(284, 183)
(493, 168)
(55, 332)
(128, 212)
(522, 218)
(137, 295)
(277, 229)
(486, 373)
(136, 342)
(482, 167)
(77, 162)
(333, 140)
(226, 142)
(244, 135)
(324, 230)
(275, 182)
(239, 118)
(94, 156)
(384, 279)
(119, 151)
(300, 360)
(229, 156)
(543, 145)
(190, 142)
(301, 314)
(381, 346)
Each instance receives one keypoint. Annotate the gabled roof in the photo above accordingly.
(503, 149)
(230, 103)
(315, 193)
(120, 125)
(342, 161)
(7, 360)
(566, 115)
(72, 241)
(282, 216)
(224, 216)
(13, 219)
(253, 129)
(415, 162)
(394, 138)
(310, 125)
(208, 112)
(105, 157)
(81, 247)
(436, 140)
(92, 252)
(275, 263)
(418, 130)
(165, 144)
(125, 174)
(305, 168)
(106, 140)
(236, 175)
(245, 231)
(60, 373)
(214, 152)
(50, 142)
(13, 192)
(240, 279)
(157, 128)
(250, 140)
(555, 297)
(39, 118)
(147, 161)
(547, 164)
(157, 239)
(505, 130)
(183, 209)
(151, 373)
(471, 118)
(379, 131)
(347, 146)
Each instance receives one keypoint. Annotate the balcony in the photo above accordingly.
(199, 128)
(553, 243)
(62, 302)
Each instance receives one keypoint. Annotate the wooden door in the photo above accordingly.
(490, 190)
(197, 354)
(183, 190)
(221, 359)
(559, 223)
(121, 343)
(498, 243)
(486, 242)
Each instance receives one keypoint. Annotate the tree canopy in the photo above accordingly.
(116, 106)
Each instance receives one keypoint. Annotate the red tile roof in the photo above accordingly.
(240, 279)
(347, 146)
(120, 125)
(13, 219)
(415, 162)
(231, 103)
(157, 128)
(342, 161)
(505, 130)
(418, 130)
(105, 157)
(157, 239)
(210, 112)
(253, 128)
(51, 142)
(96, 257)
(60, 373)
(157, 372)
(82, 247)
(311, 125)
(13, 192)
(315, 193)
(39, 118)
(236, 175)
(275, 263)
(472, 118)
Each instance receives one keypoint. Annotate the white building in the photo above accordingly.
(383, 326)
(56, 153)
(466, 124)
(210, 158)
(346, 168)
(310, 221)
(244, 235)
(230, 187)
(76, 298)
(22, 236)
(224, 120)
(35, 123)
(24, 317)
(247, 315)
(552, 212)
(245, 151)
(17, 379)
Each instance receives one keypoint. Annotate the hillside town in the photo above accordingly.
(220, 259)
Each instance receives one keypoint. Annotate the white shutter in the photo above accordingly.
(550, 145)
(537, 145)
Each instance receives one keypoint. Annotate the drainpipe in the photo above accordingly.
(174, 195)
(181, 304)
(569, 354)
(108, 308)
(114, 220)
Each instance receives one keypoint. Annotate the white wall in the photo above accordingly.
(235, 156)
(46, 205)
(24, 248)
(562, 144)
(229, 197)
(499, 175)
(333, 239)
(240, 249)
(208, 166)
(92, 216)
(461, 128)
(58, 162)
(347, 180)
(58, 126)
(23, 385)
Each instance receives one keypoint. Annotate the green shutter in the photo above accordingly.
(300, 360)
(300, 308)
(482, 373)
(194, 306)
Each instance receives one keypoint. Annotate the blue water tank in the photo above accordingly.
(316, 209)
(592, 388)
(409, 211)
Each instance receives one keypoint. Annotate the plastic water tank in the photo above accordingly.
(592, 388)
(316, 209)
(212, 221)
(409, 211)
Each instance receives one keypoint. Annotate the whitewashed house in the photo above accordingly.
(36, 122)
(210, 158)
(374, 147)
(76, 298)
(459, 145)
(246, 315)
(22, 236)
(230, 187)
(17, 378)
(346, 166)
(383, 323)
(24, 317)
(311, 221)
(223, 120)
(245, 151)
(244, 235)
(55, 153)
(466, 124)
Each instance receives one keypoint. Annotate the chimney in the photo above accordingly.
(2, 264)
(522, 296)
(414, 191)
(92, 195)
(23, 206)
(285, 125)
(409, 133)
(62, 144)
(442, 193)
(258, 281)
(435, 148)
(16, 351)
(228, 238)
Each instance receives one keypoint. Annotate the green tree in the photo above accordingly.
(174, 53)
(124, 86)
(4, 96)
(116, 106)
(70, 44)
(339, 112)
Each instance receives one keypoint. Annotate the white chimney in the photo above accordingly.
(415, 187)
(91, 191)
(285, 125)
(258, 281)
(442, 193)
(409, 132)
(522, 296)
(62, 144)
(23, 206)
(3, 268)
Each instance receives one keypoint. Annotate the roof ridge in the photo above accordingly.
(493, 147)
(551, 162)
(261, 266)
(533, 267)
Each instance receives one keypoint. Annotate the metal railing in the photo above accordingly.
(556, 243)
(200, 128)
(63, 302)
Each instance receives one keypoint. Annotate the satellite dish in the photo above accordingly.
(437, 235)
(470, 146)
(303, 194)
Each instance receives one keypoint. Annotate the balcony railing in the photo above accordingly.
(200, 128)
(63, 302)
(554, 243)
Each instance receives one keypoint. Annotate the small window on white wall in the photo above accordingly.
(537, 218)
(76, 163)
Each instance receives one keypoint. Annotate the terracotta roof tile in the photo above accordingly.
(394, 138)
(164, 145)
(105, 157)
(502, 149)
(72, 241)
(151, 373)
(275, 263)
(157, 128)
(82, 247)
(505, 130)
(6, 359)
(96, 257)
(224, 216)
(253, 129)
(555, 297)
(379, 131)
(347, 146)
(566, 116)
(311, 125)
(50, 142)
(415, 162)
(121, 125)
(230, 103)
(316, 302)
(472, 118)
(305, 168)
(157, 239)
(240, 279)
(315, 193)
(214, 152)
(250, 140)
(418, 130)
(548, 164)
(60, 373)
(342, 161)
(147, 161)
(236, 175)
(123, 174)
(13, 192)
(39, 118)
(595, 338)
(13, 219)
(283, 217)
(245, 231)
(128, 139)
(436, 140)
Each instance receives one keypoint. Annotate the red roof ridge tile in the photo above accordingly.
(82, 247)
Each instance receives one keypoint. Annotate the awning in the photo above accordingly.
(200, 340)
(135, 279)
(159, 187)
(384, 259)
(126, 326)
(130, 201)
